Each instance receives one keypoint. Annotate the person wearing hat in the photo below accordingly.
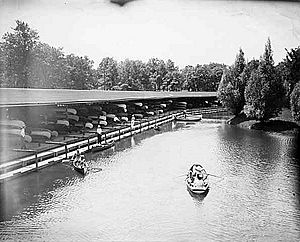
(99, 133)
(132, 120)
(22, 132)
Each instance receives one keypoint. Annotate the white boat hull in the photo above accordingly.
(195, 188)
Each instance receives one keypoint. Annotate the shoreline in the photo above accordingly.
(284, 123)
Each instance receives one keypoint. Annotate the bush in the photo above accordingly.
(295, 102)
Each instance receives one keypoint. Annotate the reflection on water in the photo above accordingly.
(141, 195)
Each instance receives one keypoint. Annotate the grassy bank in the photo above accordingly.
(283, 123)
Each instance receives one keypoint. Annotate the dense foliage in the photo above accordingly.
(27, 62)
(264, 91)
(232, 86)
(295, 102)
(257, 88)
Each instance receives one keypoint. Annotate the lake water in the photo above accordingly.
(140, 195)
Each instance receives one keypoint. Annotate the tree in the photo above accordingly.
(173, 78)
(295, 102)
(157, 71)
(130, 74)
(107, 73)
(229, 94)
(283, 73)
(48, 67)
(232, 86)
(215, 76)
(187, 75)
(3, 72)
(17, 48)
(290, 70)
(264, 92)
(81, 74)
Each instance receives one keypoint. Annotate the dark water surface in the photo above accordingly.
(140, 194)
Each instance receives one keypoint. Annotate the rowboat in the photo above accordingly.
(80, 165)
(197, 181)
(189, 118)
(101, 147)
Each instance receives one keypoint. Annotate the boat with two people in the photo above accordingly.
(79, 163)
(197, 180)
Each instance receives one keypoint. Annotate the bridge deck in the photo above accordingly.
(30, 97)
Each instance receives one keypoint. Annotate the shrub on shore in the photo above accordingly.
(295, 102)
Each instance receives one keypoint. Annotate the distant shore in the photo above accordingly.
(283, 123)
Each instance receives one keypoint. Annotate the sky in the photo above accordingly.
(189, 32)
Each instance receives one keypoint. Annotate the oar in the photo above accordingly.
(214, 175)
(95, 169)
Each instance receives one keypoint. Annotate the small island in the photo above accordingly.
(261, 95)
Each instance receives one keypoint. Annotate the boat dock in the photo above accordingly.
(150, 111)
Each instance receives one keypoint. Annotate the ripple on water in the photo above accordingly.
(140, 194)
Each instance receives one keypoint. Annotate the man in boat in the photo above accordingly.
(99, 133)
(79, 159)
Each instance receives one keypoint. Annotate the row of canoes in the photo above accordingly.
(44, 123)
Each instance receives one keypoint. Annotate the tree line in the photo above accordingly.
(27, 62)
(259, 88)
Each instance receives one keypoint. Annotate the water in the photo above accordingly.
(140, 195)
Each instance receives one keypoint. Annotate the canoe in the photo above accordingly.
(14, 134)
(73, 117)
(12, 123)
(9, 131)
(194, 118)
(121, 105)
(66, 110)
(104, 123)
(42, 133)
(197, 181)
(138, 115)
(102, 117)
(139, 104)
(101, 147)
(150, 113)
(111, 116)
(88, 125)
(125, 119)
(82, 169)
(60, 125)
(93, 117)
(63, 122)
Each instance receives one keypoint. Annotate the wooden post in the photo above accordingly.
(36, 161)
(105, 137)
(88, 143)
(119, 134)
(66, 151)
